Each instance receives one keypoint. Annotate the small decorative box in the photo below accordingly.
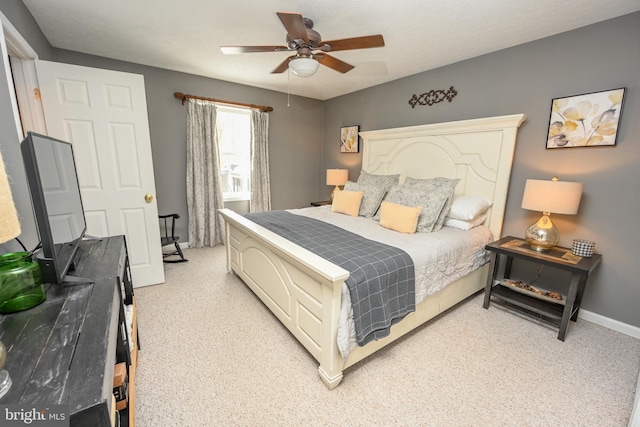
(584, 248)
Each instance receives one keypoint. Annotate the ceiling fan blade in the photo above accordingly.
(333, 63)
(283, 66)
(234, 50)
(294, 25)
(355, 43)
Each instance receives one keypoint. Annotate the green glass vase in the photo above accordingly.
(20, 282)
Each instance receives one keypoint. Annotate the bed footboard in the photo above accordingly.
(302, 289)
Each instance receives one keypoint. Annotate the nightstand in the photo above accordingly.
(322, 203)
(556, 308)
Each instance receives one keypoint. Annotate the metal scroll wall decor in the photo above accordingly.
(433, 97)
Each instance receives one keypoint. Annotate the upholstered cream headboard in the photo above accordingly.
(479, 152)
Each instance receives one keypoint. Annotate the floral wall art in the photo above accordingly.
(349, 139)
(588, 120)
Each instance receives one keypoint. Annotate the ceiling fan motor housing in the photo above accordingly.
(312, 35)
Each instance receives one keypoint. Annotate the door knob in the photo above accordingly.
(148, 198)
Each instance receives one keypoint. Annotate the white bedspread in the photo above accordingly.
(439, 258)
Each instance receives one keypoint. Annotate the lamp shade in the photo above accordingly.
(9, 224)
(303, 66)
(552, 196)
(337, 176)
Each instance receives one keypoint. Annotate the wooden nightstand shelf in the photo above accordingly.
(555, 308)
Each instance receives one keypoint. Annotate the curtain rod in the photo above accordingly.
(184, 98)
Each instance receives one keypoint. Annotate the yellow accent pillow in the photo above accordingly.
(347, 202)
(399, 218)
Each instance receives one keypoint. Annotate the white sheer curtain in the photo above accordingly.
(260, 182)
(204, 193)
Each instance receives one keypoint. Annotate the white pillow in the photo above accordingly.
(467, 208)
(464, 225)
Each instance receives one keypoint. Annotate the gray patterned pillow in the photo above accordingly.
(438, 187)
(381, 181)
(432, 204)
(371, 197)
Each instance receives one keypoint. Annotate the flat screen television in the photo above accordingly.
(57, 204)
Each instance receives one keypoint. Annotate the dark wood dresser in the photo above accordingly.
(63, 351)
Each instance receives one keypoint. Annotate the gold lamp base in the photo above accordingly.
(543, 235)
(335, 190)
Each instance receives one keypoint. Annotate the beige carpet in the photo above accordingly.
(212, 354)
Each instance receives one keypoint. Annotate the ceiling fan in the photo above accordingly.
(306, 42)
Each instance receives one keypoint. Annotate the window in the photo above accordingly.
(234, 138)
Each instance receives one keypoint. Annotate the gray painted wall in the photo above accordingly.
(304, 137)
(524, 79)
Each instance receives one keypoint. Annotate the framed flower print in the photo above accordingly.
(349, 139)
(589, 120)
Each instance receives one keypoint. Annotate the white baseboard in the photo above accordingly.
(626, 329)
(607, 322)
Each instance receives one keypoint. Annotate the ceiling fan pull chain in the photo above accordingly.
(288, 84)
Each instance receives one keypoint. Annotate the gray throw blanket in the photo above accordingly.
(382, 277)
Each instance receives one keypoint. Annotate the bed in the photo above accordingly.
(304, 290)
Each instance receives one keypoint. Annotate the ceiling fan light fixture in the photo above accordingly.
(303, 66)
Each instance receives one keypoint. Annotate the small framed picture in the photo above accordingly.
(589, 120)
(349, 139)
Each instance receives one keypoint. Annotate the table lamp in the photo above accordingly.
(549, 197)
(9, 229)
(337, 177)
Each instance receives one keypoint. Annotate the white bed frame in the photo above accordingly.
(303, 290)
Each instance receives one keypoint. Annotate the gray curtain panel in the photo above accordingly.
(260, 182)
(204, 194)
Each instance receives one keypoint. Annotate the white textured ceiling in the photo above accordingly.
(420, 35)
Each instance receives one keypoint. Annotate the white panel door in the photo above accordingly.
(103, 114)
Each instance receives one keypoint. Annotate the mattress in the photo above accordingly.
(439, 258)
